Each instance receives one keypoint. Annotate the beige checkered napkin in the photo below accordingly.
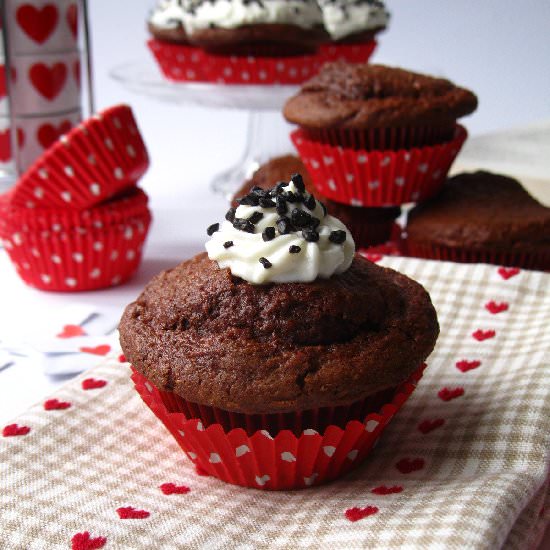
(463, 465)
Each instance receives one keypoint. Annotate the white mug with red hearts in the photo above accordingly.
(46, 83)
(42, 25)
(35, 134)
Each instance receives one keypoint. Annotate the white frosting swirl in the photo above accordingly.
(229, 14)
(345, 17)
(315, 259)
(168, 14)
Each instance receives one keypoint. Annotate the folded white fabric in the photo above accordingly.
(463, 465)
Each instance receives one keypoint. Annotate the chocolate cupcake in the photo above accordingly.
(278, 344)
(166, 21)
(482, 217)
(378, 135)
(369, 226)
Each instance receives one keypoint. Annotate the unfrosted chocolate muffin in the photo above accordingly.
(351, 98)
(482, 217)
(369, 226)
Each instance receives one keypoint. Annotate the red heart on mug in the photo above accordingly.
(5, 145)
(83, 541)
(464, 365)
(72, 19)
(48, 133)
(48, 81)
(496, 307)
(37, 23)
(355, 514)
(409, 465)
(56, 405)
(129, 512)
(102, 349)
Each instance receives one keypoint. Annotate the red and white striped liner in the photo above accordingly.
(182, 63)
(90, 164)
(278, 460)
(377, 178)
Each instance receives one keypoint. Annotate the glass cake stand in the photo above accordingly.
(261, 102)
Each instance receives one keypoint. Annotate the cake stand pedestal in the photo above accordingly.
(263, 104)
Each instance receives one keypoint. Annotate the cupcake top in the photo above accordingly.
(168, 14)
(229, 14)
(217, 339)
(281, 235)
(480, 210)
(343, 18)
(363, 96)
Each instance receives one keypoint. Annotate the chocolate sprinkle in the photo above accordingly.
(212, 229)
(294, 249)
(282, 207)
(230, 215)
(300, 218)
(266, 202)
(310, 235)
(337, 237)
(310, 202)
(243, 225)
(298, 181)
(256, 217)
(249, 200)
(284, 226)
(228, 244)
(265, 262)
(268, 234)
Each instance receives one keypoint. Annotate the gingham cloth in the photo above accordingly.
(463, 465)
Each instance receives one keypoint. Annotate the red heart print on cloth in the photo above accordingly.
(427, 426)
(464, 365)
(508, 272)
(48, 133)
(12, 430)
(122, 358)
(129, 512)
(383, 490)
(48, 81)
(72, 19)
(409, 465)
(38, 24)
(93, 384)
(496, 307)
(481, 335)
(70, 331)
(56, 405)
(102, 349)
(173, 489)
(84, 541)
(355, 514)
(447, 394)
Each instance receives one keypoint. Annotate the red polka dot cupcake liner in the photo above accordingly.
(377, 178)
(90, 164)
(352, 53)
(270, 458)
(68, 252)
(182, 63)
(537, 260)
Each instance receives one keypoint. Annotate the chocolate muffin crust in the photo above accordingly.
(482, 210)
(362, 96)
(215, 339)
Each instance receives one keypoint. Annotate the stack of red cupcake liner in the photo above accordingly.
(274, 456)
(183, 63)
(76, 220)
